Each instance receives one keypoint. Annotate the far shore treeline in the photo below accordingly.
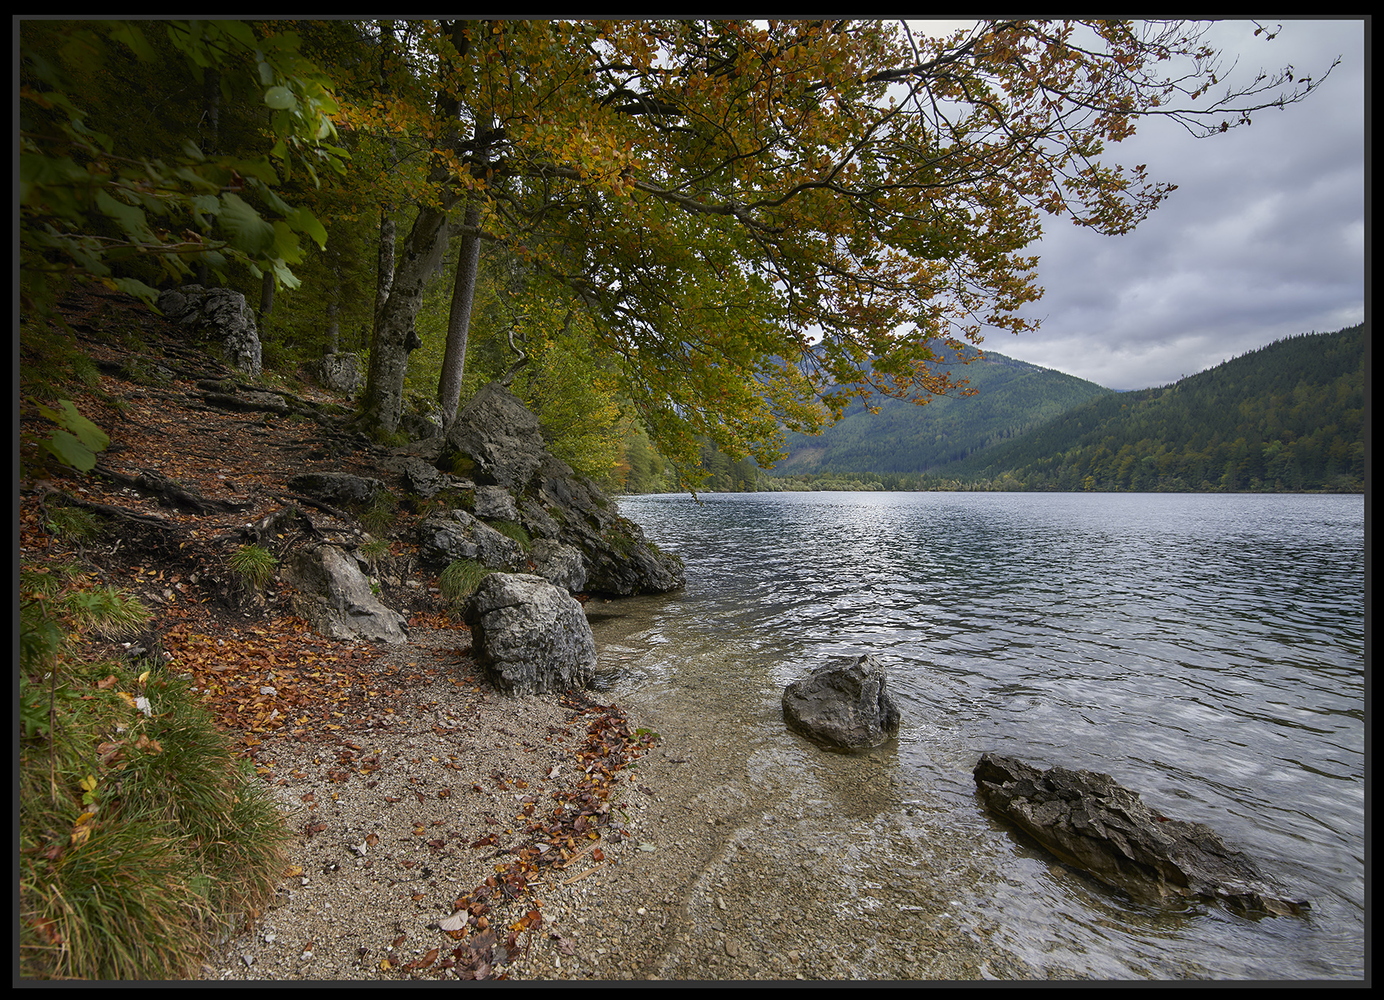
(1289, 417)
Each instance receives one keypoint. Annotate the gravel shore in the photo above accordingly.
(704, 858)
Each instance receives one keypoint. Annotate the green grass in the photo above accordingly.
(254, 565)
(141, 839)
(382, 513)
(460, 580)
(515, 531)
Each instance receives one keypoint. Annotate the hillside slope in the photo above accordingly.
(1012, 398)
(1290, 416)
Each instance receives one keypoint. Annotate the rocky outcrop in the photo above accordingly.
(530, 636)
(219, 315)
(1092, 822)
(455, 534)
(338, 488)
(340, 372)
(498, 443)
(844, 703)
(337, 597)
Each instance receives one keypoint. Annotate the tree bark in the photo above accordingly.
(395, 336)
(459, 318)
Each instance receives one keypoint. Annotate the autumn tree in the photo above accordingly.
(765, 219)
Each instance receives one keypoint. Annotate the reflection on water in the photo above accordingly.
(1206, 650)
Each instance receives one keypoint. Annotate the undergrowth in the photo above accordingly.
(141, 838)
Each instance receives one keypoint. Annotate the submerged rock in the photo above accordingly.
(1089, 820)
(845, 703)
(531, 636)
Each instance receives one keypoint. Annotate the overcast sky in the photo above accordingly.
(1264, 238)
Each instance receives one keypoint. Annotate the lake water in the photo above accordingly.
(1206, 650)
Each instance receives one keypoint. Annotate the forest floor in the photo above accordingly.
(440, 830)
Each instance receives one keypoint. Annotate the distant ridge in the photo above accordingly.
(1014, 397)
(1287, 417)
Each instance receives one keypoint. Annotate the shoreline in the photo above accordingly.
(710, 867)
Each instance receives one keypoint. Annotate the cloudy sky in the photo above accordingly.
(1264, 238)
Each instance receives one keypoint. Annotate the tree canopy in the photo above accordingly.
(752, 222)
(765, 219)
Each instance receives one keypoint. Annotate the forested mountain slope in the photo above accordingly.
(1012, 397)
(1290, 416)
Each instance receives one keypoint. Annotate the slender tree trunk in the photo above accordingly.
(211, 137)
(385, 273)
(459, 317)
(395, 335)
(334, 319)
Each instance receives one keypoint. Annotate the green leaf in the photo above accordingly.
(280, 98)
(244, 227)
(305, 222)
(131, 286)
(68, 417)
(69, 451)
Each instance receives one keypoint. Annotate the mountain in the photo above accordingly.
(1013, 397)
(1287, 417)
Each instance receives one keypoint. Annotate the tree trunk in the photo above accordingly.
(459, 318)
(395, 335)
(334, 319)
(266, 303)
(384, 276)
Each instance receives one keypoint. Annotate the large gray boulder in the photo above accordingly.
(498, 437)
(844, 703)
(455, 534)
(496, 441)
(530, 636)
(220, 315)
(1089, 820)
(340, 372)
(337, 597)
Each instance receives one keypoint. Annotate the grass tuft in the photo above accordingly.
(460, 580)
(254, 564)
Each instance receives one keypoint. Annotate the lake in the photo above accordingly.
(1206, 650)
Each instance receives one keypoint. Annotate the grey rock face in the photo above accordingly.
(1089, 820)
(221, 315)
(337, 487)
(844, 703)
(499, 434)
(561, 565)
(340, 372)
(504, 445)
(532, 637)
(455, 534)
(423, 478)
(336, 597)
(496, 503)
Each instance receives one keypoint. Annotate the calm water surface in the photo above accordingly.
(1208, 651)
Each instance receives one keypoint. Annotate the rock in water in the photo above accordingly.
(1094, 823)
(531, 636)
(844, 703)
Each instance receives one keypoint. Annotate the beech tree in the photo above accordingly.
(763, 219)
(97, 202)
